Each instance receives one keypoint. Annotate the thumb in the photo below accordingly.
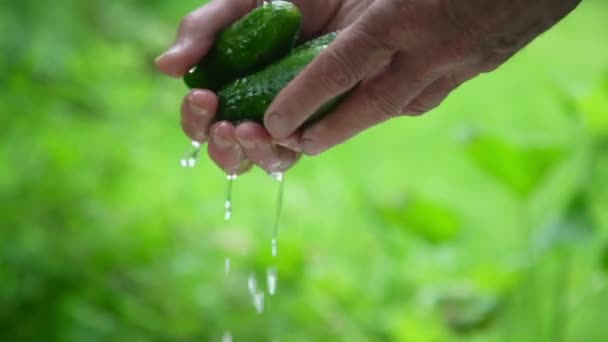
(197, 32)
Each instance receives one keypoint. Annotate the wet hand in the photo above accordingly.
(403, 57)
(393, 57)
(233, 148)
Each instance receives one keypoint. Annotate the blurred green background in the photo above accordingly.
(485, 220)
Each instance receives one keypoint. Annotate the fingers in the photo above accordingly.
(259, 149)
(224, 150)
(372, 102)
(197, 32)
(315, 15)
(430, 97)
(436, 92)
(198, 109)
(236, 148)
(353, 54)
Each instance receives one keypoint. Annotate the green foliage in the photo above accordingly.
(104, 238)
(520, 168)
(423, 217)
(594, 108)
(575, 226)
(466, 312)
(604, 258)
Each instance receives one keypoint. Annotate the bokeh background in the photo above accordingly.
(484, 220)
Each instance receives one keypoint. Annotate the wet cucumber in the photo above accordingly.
(248, 98)
(261, 37)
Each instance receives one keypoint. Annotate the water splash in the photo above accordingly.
(191, 157)
(271, 280)
(227, 337)
(228, 203)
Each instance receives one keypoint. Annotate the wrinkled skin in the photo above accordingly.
(399, 58)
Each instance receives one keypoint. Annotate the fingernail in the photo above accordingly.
(311, 148)
(243, 167)
(173, 49)
(246, 143)
(276, 124)
(167, 68)
(291, 144)
(222, 142)
(198, 110)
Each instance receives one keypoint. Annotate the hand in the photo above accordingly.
(232, 148)
(397, 57)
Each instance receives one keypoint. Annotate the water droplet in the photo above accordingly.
(275, 229)
(252, 284)
(228, 210)
(258, 302)
(274, 247)
(228, 203)
(191, 157)
(227, 337)
(277, 175)
(271, 280)
(227, 265)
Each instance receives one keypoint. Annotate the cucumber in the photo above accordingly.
(248, 98)
(261, 37)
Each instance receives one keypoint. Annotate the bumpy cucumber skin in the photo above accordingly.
(247, 99)
(261, 37)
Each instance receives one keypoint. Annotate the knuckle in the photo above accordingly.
(383, 104)
(187, 23)
(493, 60)
(373, 36)
(337, 72)
(417, 107)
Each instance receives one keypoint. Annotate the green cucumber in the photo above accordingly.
(258, 39)
(248, 98)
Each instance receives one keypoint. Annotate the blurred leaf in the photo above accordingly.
(465, 311)
(425, 218)
(495, 278)
(520, 168)
(417, 327)
(574, 226)
(604, 258)
(595, 109)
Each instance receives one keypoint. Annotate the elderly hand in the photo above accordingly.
(396, 57)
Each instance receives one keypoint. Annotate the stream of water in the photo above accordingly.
(190, 160)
